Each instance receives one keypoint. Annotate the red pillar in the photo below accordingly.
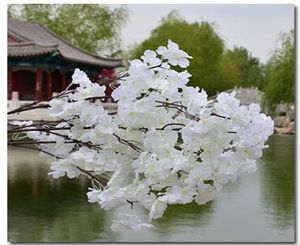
(38, 84)
(49, 83)
(10, 85)
(64, 80)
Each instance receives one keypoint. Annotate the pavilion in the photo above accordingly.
(41, 63)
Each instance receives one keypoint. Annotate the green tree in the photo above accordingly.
(280, 73)
(93, 27)
(199, 40)
(239, 68)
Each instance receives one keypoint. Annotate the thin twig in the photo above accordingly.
(27, 109)
(22, 108)
(38, 149)
(170, 124)
(101, 180)
(127, 142)
(37, 129)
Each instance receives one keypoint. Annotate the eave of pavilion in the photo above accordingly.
(51, 61)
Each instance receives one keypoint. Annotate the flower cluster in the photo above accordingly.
(167, 144)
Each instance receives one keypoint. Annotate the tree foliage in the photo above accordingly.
(239, 68)
(213, 67)
(93, 27)
(200, 40)
(280, 73)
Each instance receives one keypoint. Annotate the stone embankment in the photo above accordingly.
(284, 124)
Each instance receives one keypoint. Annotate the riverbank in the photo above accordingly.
(290, 129)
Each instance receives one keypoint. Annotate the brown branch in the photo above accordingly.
(127, 142)
(37, 149)
(108, 81)
(37, 102)
(87, 144)
(100, 179)
(43, 123)
(170, 124)
(37, 129)
(30, 142)
(70, 141)
(20, 109)
(171, 103)
(217, 115)
(98, 98)
(180, 108)
(183, 109)
(50, 131)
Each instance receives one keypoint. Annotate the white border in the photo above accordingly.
(3, 79)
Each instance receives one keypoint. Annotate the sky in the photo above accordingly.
(255, 27)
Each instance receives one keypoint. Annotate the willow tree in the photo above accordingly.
(280, 73)
(93, 27)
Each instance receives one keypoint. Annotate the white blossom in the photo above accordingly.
(174, 55)
(158, 208)
(80, 77)
(150, 58)
(167, 144)
(93, 195)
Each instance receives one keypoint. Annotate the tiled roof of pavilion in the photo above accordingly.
(35, 39)
(29, 49)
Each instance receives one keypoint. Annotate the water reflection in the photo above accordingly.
(42, 209)
(183, 218)
(259, 208)
(277, 176)
(177, 216)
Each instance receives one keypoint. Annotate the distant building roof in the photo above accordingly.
(34, 39)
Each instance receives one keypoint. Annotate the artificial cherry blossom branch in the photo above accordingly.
(171, 156)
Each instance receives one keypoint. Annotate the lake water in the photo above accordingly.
(259, 208)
